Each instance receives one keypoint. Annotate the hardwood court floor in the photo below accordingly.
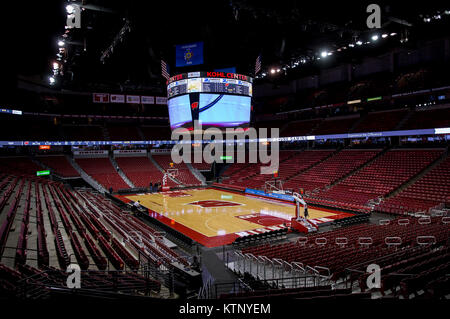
(215, 217)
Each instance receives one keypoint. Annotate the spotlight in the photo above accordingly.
(359, 43)
(272, 71)
(278, 70)
(323, 54)
(393, 34)
(55, 65)
(61, 43)
(375, 37)
(51, 80)
(351, 45)
(384, 35)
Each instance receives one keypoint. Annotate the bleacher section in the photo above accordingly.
(250, 175)
(380, 121)
(156, 132)
(378, 179)
(201, 166)
(429, 191)
(317, 123)
(428, 119)
(335, 125)
(41, 282)
(184, 174)
(291, 164)
(123, 133)
(299, 128)
(83, 133)
(13, 128)
(311, 293)
(406, 268)
(141, 171)
(102, 171)
(363, 243)
(332, 169)
(98, 233)
(59, 164)
(20, 165)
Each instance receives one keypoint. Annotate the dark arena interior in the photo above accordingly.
(266, 155)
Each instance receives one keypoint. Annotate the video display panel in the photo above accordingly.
(180, 112)
(219, 110)
(216, 99)
(212, 110)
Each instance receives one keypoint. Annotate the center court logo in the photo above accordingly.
(236, 142)
(214, 203)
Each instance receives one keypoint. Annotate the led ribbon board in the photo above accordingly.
(420, 132)
(209, 82)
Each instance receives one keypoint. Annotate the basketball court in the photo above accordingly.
(215, 217)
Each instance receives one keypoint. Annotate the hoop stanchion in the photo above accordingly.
(170, 173)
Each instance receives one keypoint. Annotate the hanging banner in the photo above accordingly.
(189, 54)
(117, 98)
(147, 99)
(100, 98)
(161, 100)
(133, 99)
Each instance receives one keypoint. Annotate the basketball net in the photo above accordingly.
(273, 185)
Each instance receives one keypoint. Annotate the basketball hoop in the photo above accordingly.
(171, 172)
(273, 185)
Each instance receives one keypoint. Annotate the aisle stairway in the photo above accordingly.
(196, 173)
(120, 172)
(88, 179)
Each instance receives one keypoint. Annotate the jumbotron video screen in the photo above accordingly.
(215, 99)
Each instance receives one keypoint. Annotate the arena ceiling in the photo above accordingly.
(234, 33)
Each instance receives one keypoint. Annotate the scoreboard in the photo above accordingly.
(213, 99)
(226, 86)
(209, 82)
